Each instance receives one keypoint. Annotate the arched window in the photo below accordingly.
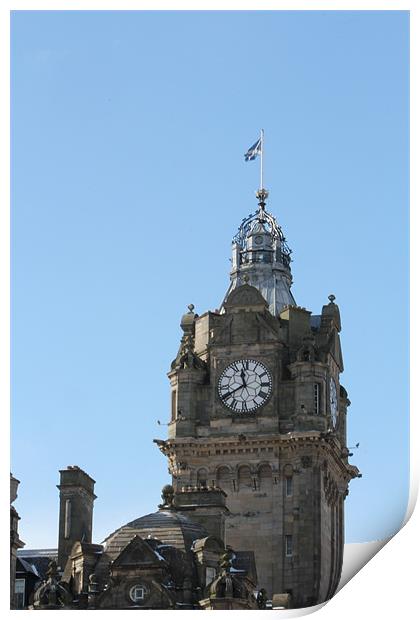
(244, 477)
(288, 480)
(224, 478)
(265, 477)
(202, 477)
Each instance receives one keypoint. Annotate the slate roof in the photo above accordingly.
(37, 559)
(168, 526)
(22, 566)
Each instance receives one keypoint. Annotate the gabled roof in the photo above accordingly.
(138, 552)
(245, 296)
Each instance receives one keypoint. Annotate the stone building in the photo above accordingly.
(257, 452)
(258, 410)
(164, 560)
(15, 544)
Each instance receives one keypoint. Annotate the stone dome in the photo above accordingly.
(168, 526)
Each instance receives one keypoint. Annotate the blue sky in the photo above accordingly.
(128, 183)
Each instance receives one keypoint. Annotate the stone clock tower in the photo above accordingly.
(258, 411)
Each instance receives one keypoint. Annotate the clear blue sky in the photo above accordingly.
(128, 183)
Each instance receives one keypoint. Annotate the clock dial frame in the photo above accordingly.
(333, 402)
(245, 385)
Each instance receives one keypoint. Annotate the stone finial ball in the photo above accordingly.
(168, 493)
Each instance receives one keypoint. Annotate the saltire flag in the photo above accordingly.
(253, 151)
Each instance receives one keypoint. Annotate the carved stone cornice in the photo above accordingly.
(321, 445)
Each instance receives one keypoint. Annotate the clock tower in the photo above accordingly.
(258, 411)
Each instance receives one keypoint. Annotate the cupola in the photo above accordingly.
(261, 257)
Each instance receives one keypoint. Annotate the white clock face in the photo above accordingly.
(333, 401)
(245, 385)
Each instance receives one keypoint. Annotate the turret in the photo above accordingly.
(187, 374)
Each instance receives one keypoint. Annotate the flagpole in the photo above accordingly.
(262, 158)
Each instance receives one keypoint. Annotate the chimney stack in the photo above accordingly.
(76, 510)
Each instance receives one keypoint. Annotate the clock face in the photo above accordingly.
(333, 401)
(245, 385)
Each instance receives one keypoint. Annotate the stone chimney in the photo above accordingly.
(76, 510)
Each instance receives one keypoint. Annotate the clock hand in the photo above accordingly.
(232, 392)
(243, 378)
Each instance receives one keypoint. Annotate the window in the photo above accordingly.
(20, 593)
(317, 392)
(173, 407)
(77, 577)
(288, 545)
(202, 478)
(138, 593)
(289, 486)
(210, 574)
(67, 518)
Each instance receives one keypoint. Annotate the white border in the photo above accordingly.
(388, 584)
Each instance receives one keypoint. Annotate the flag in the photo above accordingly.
(253, 151)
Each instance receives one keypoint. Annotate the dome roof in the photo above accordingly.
(169, 526)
